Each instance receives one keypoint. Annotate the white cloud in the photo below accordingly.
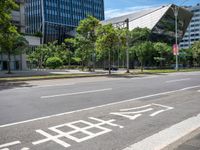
(111, 13)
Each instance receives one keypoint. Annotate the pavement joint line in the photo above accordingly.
(179, 80)
(100, 106)
(169, 136)
(76, 93)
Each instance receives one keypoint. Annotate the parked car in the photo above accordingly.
(113, 68)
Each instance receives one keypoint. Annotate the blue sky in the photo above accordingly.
(115, 8)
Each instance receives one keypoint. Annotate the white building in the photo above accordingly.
(193, 32)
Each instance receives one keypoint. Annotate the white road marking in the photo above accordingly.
(44, 86)
(77, 93)
(132, 115)
(198, 91)
(10, 144)
(140, 78)
(100, 106)
(168, 136)
(74, 129)
(161, 111)
(135, 108)
(179, 80)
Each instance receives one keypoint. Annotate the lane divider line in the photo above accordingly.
(100, 106)
(179, 80)
(76, 93)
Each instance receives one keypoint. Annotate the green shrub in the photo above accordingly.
(54, 62)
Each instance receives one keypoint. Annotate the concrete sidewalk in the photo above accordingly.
(46, 72)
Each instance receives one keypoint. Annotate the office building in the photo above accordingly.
(58, 19)
(193, 32)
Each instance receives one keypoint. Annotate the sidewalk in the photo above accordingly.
(192, 144)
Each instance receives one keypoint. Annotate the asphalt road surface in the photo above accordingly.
(140, 113)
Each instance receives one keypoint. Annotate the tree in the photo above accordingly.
(196, 52)
(54, 62)
(11, 43)
(40, 55)
(162, 50)
(142, 51)
(138, 34)
(107, 41)
(6, 7)
(87, 30)
(10, 40)
(82, 50)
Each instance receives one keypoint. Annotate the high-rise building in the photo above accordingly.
(193, 32)
(160, 20)
(57, 19)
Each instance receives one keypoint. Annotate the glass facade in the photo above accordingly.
(193, 32)
(57, 19)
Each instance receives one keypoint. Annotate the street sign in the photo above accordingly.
(175, 49)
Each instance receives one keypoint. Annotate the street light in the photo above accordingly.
(176, 11)
(127, 45)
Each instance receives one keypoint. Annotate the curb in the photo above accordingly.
(182, 140)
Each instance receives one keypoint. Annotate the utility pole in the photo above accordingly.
(127, 46)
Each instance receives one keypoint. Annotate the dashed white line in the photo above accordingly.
(77, 93)
(168, 136)
(179, 80)
(100, 106)
(140, 78)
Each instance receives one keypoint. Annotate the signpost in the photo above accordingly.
(175, 49)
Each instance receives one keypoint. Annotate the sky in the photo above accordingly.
(114, 8)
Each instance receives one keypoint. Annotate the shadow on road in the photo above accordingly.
(11, 85)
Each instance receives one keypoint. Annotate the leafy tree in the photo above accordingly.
(40, 55)
(82, 52)
(138, 35)
(162, 50)
(11, 43)
(107, 41)
(142, 50)
(87, 30)
(196, 52)
(54, 62)
(6, 7)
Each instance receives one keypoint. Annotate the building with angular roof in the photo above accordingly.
(160, 20)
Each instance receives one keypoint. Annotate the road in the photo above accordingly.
(115, 113)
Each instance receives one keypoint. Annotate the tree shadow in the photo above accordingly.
(6, 85)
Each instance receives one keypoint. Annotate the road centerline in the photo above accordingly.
(75, 93)
(95, 107)
(179, 80)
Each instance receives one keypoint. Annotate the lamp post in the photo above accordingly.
(127, 45)
(176, 10)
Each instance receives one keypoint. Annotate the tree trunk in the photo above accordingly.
(9, 61)
(142, 67)
(109, 61)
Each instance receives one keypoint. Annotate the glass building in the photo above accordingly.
(160, 20)
(57, 19)
(193, 32)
